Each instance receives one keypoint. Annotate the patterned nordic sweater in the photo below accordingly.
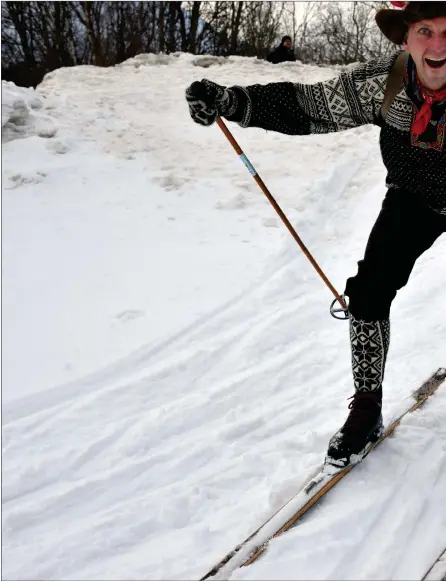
(352, 99)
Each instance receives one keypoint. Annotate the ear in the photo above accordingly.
(405, 41)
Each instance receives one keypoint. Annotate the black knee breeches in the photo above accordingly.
(404, 229)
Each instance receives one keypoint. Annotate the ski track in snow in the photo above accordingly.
(208, 401)
(438, 571)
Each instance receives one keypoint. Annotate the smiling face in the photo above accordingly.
(426, 42)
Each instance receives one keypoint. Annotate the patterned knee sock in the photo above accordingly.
(369, 344)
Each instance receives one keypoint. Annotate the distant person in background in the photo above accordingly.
(283, 53)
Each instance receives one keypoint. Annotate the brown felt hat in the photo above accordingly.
(394, 22)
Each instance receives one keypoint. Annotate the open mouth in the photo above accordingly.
(435, 63)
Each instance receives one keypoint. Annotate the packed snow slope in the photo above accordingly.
(171, 374)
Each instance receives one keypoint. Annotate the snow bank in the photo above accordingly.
(22, 114)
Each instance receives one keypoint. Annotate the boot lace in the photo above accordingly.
(363, 406)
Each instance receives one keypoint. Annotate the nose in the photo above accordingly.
(437, 44)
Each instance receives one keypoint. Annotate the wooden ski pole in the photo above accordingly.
(278, 209)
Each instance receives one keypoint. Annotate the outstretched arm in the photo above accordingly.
(349, 100)
(298, 109)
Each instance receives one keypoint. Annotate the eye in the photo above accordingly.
(424, 31)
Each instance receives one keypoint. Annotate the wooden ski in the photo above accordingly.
(287, 516)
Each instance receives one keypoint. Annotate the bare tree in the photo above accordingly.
(173, 19)
(222, 28)
(260, 27)
(302, 27)
(36, 37)
(161, 39)
(236, 17)
(17, 18)
(290, 20)
(193, 28)
(53, 26)
(90, 15)
(342, 33)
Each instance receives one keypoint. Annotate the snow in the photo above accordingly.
(171, 374)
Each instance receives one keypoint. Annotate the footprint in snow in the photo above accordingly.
(270, 222)
(129, 315)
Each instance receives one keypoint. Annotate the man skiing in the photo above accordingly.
(413, 213)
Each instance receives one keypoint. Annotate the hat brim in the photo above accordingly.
(392, 24)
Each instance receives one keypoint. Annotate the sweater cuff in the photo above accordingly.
(241, 107)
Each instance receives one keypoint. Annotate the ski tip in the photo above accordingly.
(439, 375)
(430, 385)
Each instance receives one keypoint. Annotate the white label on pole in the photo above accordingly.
(248, 164)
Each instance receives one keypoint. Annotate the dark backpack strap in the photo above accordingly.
(394, 83)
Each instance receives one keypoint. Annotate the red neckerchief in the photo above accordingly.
(424, 115)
